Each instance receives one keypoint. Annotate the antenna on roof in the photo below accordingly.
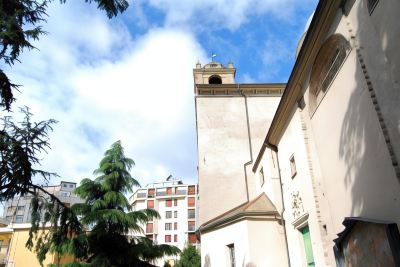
(169, 177)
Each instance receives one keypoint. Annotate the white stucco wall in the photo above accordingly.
(257, 243)
(359, 178)
(351, 164)
(379, 35)
(293, 144)
(223, 149)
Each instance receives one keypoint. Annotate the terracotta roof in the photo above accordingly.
(260, 206)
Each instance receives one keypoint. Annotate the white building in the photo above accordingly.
(176, 203)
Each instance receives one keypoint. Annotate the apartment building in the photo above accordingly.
(176, 203)
(15, 226)
(18, 209)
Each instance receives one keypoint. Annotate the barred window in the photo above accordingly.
(371, 4)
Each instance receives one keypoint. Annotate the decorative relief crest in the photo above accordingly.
(297, 205)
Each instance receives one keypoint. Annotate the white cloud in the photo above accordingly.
(102, 86)
(222, 13)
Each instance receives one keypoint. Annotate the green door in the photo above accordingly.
(307, 246)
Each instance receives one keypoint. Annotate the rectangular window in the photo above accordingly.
(231, 249)
(192, 238)
(175, 226)
(149, 228)
(293, 166)
(150, 204)
(175, 202)
(176, 214)
(262, 179)
(168, 214)
(168, 226)
(191, 214)
(191, 190)
(175, 238)
(191, 202)
(65, 194)
(151, 192)
(169, 190)
(19, 218)
(168, 203)
(191, 226)
(21, 208)
(167, 238)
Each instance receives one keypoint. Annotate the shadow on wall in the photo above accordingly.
(361, 140)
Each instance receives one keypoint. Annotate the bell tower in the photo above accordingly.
(231, 122)
(214, 73)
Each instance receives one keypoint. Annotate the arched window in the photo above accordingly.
(215, 79)
(329, 59)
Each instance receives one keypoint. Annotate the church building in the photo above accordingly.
(306, 173)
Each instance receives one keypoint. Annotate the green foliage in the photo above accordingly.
(20, 144)
(190, 257)
(113, 227)
(19, 21)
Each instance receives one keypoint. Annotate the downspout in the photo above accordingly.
(273, 147)
(249, 138)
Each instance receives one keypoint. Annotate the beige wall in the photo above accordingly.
(223, 149)
(20, 256)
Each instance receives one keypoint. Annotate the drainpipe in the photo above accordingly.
(283, 203)
(249, 138)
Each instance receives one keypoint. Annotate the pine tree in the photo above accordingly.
(112, 227)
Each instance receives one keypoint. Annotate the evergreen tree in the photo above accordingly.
(112, 227)
(190, 257)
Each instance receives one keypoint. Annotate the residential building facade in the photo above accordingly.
(176, 204)
(18, 209)
(15, 226)
(329, 157)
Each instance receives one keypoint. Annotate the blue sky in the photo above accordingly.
(130, 78)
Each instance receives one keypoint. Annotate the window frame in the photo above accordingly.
(262, 177)
(293, 167)
(168, 214)
(327, 64)
(148, 202)
(194, 213)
